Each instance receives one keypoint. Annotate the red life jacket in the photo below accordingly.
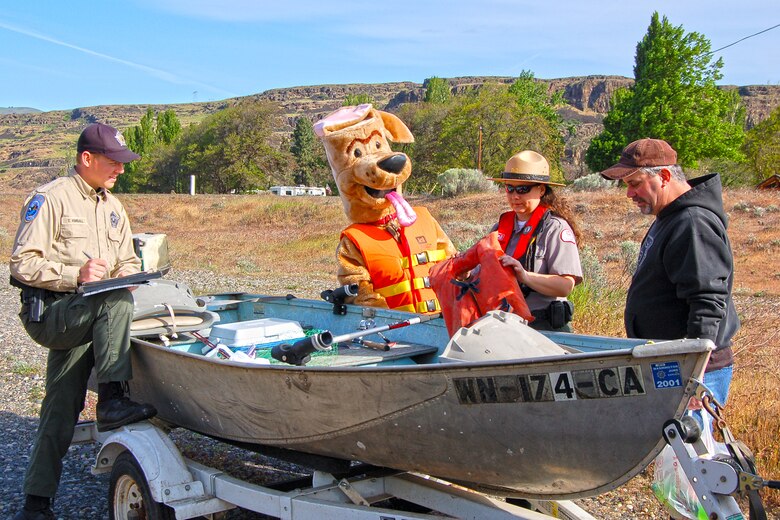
(495, 287)
(506, 224)
(400, 271)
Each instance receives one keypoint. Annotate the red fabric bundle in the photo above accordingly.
(491, 287)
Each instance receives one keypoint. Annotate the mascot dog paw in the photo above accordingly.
(389, 247)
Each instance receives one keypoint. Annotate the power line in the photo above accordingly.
(745, 38)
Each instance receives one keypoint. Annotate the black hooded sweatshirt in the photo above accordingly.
(683, 280)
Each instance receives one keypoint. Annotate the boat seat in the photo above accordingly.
(179, 321)
(164, 307)
(499, 335)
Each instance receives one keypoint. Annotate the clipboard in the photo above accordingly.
(90, 288)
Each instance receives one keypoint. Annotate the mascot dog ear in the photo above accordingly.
(397, 131)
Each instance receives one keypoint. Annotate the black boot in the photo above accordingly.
(43, 514)
(114, 409)
(35, 508)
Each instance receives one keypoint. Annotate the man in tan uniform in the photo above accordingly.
(73, 231)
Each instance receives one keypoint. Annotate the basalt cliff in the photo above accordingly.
(37, 146)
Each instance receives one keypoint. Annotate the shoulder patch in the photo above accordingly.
(33, 207)
(567, 235)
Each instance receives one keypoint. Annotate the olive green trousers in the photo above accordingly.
(80, 333)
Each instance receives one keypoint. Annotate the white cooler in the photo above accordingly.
(255, 332)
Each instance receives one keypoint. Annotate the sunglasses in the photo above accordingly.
(520, 190)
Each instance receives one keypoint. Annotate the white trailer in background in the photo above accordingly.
(300, 190)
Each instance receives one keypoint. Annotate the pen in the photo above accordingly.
(89, 257)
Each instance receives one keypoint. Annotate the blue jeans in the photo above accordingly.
(718, 381)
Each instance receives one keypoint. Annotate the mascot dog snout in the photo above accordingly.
(393, 164)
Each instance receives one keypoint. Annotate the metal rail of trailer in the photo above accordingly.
(151, 479)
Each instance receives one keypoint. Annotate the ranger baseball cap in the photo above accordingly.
(105, 140)
(640, 154)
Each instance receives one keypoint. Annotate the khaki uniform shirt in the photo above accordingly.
(60, 222)
(555, 253)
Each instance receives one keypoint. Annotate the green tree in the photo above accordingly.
(448, 135)
(235, 149)
(604, 149)
(165, 163)
(311, 165)
(762, 147)
(168, 127)
(674, 97)
(356, 99)
(143, 139)
(425, 122)
(507, 128)
(437, 90)
(533, 93)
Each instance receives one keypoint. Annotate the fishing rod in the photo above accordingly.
(299, 352)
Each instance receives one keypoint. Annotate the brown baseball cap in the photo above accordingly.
(640, 154)
(105, 140)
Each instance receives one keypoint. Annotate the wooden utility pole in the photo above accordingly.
(479, 150)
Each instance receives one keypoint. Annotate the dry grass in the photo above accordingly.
(264, 236)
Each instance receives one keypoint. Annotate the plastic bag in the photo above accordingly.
(672, 487)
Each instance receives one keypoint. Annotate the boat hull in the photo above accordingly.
(553, 428)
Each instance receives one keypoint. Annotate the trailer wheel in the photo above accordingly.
(129, 495)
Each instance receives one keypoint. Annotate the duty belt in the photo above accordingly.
(32, 298)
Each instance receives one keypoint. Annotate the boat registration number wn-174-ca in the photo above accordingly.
(620, 381)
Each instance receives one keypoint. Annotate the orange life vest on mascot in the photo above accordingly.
(494, 287)
(400, 270)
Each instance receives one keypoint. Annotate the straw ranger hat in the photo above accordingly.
(527, 166)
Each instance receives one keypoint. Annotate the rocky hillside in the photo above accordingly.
(37, 146)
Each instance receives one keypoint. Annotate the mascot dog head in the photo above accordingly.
(368, 173)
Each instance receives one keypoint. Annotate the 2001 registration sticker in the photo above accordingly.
(666, 375)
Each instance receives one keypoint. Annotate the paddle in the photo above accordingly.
(299, 352)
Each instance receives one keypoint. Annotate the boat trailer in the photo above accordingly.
(150, 478)
(149, 473)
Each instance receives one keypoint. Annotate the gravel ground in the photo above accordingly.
(84, 496)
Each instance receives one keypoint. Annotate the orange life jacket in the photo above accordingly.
(495, 287)
(399, 271)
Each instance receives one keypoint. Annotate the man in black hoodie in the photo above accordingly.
(685, 272)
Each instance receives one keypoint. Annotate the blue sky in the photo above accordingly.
(59, 55)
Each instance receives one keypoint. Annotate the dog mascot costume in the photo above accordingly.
(389, 247)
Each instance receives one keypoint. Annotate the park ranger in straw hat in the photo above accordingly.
(539, 237)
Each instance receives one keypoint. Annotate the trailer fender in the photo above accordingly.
(163, 465)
